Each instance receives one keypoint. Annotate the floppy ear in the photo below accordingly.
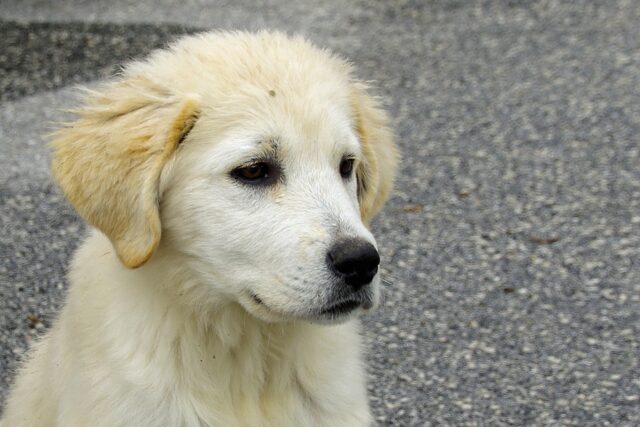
(376, 172)
(108, 162)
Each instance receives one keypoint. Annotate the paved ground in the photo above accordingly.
(512, 244)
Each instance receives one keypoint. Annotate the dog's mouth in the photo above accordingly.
(341, 307)
(347, 305)
(333, 310)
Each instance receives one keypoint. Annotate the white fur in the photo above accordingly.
(127, 352)
(223, 325)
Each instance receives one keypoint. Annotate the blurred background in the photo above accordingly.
(511, 246)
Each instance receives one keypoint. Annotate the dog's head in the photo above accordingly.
(256, 161)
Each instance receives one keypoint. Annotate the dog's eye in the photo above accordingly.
(254, 173)
(346, 167)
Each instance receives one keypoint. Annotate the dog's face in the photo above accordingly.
(264, 196)
(268, 210)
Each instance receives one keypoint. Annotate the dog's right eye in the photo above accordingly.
(255, 173)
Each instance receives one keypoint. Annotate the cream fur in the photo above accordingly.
(160, 327)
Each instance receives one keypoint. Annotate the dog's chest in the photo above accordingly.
(267, 381)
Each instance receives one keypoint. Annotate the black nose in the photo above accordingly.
(355, 260)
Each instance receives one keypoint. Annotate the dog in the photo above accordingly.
(229, 181)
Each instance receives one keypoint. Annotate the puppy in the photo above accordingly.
(229, 180)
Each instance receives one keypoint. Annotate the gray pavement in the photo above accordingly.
(512, 244)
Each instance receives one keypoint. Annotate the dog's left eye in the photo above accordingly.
(254, 173)
(346, 167)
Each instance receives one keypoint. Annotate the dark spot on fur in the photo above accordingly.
(256, 299)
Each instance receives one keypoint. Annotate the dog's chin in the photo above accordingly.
(332, 313)
(344, 310)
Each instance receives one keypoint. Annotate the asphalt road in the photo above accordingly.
(512, 243)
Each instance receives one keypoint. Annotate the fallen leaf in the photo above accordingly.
(413, 208)
(33, 320)
(544, 241)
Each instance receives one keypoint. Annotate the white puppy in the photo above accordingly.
(229, 180)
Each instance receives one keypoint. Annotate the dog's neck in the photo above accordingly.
(225, 363)
(215, 341)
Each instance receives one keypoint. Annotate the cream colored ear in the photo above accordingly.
(108, 162)
(376, 172)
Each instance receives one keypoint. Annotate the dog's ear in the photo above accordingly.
(376, 172)
(108, 162)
